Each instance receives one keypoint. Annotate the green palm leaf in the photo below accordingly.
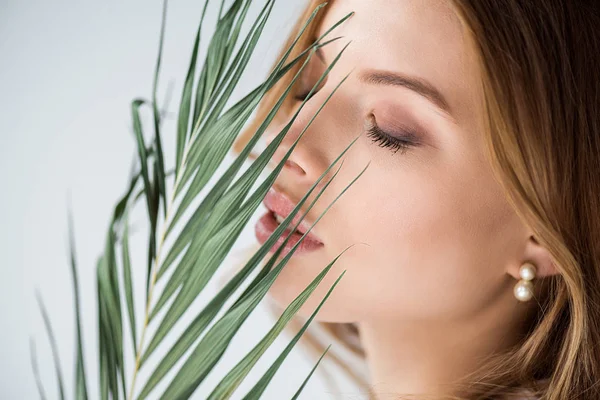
(128, 282)
(36, 371)
(81, 389)
(54, 347)
(205, 133)
(310, 374)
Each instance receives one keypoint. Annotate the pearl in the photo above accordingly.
(527, 271)
(523, 290)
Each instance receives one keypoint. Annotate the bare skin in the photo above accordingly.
(437, 247)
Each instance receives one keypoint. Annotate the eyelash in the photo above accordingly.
(388, 141)
(381, 138)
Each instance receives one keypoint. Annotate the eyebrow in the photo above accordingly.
(387, 78)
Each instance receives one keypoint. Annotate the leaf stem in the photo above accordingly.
(156, 264)
(149, 300)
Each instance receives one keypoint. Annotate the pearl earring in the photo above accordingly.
(523, 290)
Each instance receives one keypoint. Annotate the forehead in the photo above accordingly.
(423, 38)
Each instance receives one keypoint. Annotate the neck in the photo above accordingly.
(427, 359)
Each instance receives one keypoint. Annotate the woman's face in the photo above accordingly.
(433, 234)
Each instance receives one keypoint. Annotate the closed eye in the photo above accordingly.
(397, 142)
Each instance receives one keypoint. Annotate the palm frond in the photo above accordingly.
(205, 132)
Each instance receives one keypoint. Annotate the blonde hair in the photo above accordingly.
(540, 64)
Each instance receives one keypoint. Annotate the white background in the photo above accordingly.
(68, 72)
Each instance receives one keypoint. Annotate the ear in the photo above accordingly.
(539, 256)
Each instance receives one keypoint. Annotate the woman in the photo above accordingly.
(475, 270)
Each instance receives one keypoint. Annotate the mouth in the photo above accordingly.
(278, 208)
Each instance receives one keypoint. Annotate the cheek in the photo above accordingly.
(437, 243)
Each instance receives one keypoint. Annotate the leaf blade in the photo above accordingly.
(186, 98)
(81, 391)
(310, 374)
(128, 282)
(36, 370)
(53, 346)
(160, 167)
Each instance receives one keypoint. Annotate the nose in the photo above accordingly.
(290, 165)
(294, 167)
(309, 158)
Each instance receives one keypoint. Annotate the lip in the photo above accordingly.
(279, 204)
